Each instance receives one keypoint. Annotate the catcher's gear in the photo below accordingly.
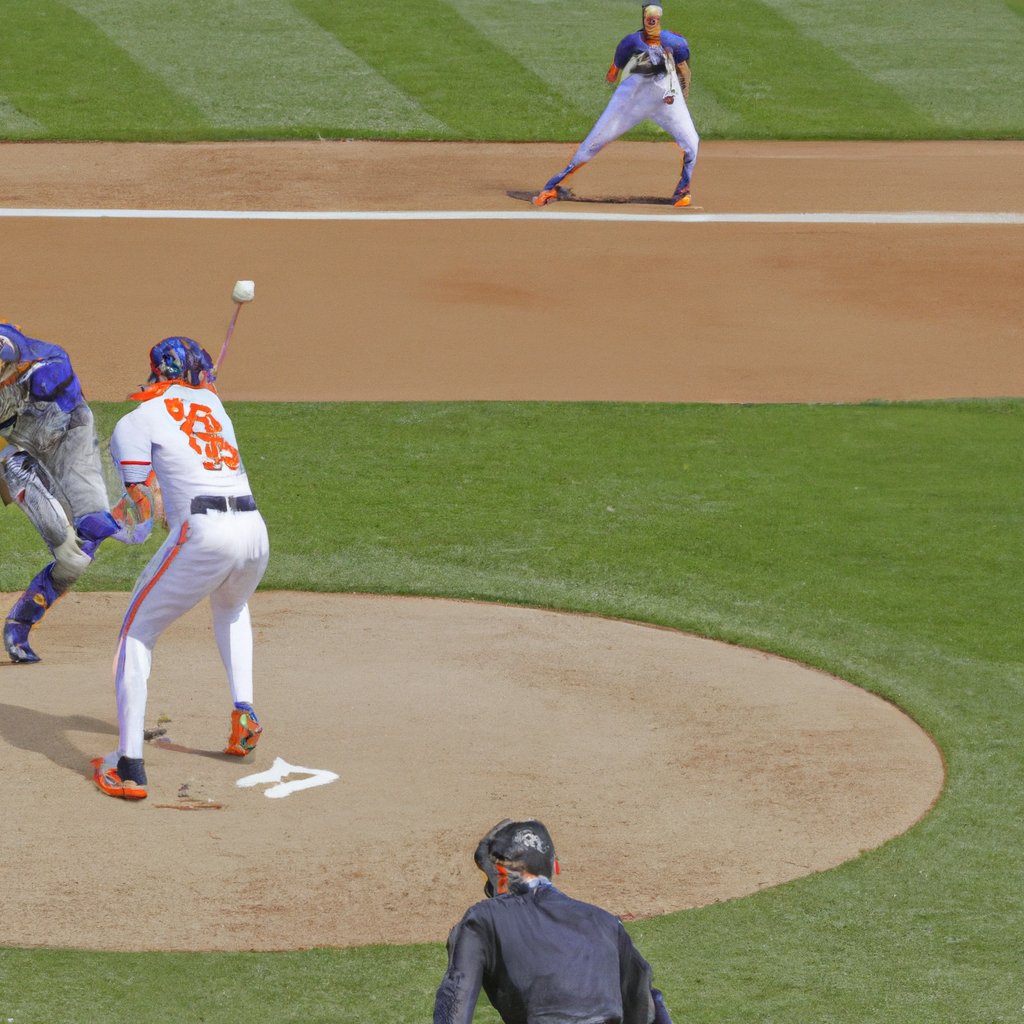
(183, 359)
(27, 481)
(511, 848)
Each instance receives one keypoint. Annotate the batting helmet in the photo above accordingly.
(181, 359)
(512, 848)
(11, 342)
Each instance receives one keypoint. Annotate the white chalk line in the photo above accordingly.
(908, 217)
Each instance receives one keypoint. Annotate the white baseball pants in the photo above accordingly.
(638, 98)
(222, 555)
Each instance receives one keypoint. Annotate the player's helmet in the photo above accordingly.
(511, 848)
(11, 347)
(181, 359)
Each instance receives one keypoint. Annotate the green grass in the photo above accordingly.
(501, 69)
(62, 74)
(879, 542)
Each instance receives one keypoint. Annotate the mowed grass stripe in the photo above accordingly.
(14, 124)
(453, 70)
(787, 85)
(254, 65)
(1017, 6)
(60, 71)
(570, 44)
(958, 61)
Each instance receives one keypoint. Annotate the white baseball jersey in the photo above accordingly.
(184, 434)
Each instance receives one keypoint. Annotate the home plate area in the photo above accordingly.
(672, 771)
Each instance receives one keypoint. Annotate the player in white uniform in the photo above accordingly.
(217, 545)
(653, 70)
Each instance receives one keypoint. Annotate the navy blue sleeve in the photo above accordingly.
(625, 50)
(53, 380)
(679, 46)
(467, 954)
(635, 982)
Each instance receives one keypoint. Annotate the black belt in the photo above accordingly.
(203, 503)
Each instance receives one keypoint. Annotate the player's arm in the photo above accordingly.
(140, 505)
(467, 953)
(623, 52)
(683, 67)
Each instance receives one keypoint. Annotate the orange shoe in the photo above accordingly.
(245, 731)
(681, 198)
(120, 776)
(545, 197)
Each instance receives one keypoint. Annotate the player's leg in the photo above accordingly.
(631, 103)
(31, 489)
(71, 480)
(675, 119)
(232, 626)
(178, 577)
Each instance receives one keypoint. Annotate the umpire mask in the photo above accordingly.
(512, 848)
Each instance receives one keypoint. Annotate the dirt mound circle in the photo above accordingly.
(673, 771)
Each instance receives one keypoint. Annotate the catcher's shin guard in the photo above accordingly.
(27, 611)
(245, 731)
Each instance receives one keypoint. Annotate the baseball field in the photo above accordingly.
(694, 533)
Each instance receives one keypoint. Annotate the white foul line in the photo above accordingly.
(908, 217)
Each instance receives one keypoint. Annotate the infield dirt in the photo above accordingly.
(535, 309)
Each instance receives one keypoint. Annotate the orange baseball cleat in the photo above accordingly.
(124, 777)
(245, 731)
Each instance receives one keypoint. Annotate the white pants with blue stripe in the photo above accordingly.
(639, 98)
(220, 555)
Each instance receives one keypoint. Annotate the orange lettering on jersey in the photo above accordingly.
(207, 440)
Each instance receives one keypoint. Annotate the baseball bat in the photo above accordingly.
(244, 291)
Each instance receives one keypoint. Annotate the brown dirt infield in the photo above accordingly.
(673, 771)
(537, 309)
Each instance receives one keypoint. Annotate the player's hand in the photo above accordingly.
(137, 534)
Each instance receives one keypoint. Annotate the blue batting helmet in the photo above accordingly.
(11, 342)
(181, 359)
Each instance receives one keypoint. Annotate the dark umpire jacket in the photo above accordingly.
(543, 958)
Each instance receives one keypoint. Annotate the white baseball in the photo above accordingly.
(244, 291)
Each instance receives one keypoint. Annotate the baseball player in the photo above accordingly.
(217, 546)
(653, 72)
(50, 467)
(539, 955)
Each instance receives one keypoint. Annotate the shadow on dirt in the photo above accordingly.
(47, 735)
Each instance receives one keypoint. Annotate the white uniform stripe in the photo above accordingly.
(669, 216)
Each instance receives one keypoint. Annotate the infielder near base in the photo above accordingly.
(653, 71)
(217, 546)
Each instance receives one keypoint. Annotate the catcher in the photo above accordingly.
(50, 467)
(539, 955)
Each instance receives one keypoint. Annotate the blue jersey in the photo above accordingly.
(44, 371)
(635, 44)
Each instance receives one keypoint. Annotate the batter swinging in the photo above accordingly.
(217, 546)
(654, 81)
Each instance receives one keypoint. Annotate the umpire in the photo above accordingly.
(541, 957)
